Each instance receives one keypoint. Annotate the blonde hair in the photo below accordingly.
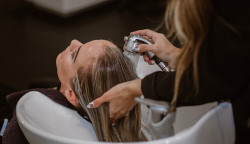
(188, 21)
(109, 69)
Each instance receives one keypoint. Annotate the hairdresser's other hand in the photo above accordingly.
(161, 47)
(121, 98)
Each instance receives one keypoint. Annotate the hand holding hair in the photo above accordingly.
(120, 97)
(161, 47)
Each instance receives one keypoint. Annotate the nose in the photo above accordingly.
(74, 44)
(76, 41)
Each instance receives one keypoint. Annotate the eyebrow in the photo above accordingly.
(77, 54)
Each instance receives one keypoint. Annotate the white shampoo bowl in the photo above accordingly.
(44, 121)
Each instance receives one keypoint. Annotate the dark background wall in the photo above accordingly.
(30, 39)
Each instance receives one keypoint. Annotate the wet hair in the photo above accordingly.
(110, 68)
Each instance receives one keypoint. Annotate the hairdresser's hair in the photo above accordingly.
(110, 68)
(188, 21)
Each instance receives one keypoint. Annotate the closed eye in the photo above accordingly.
(73, 54)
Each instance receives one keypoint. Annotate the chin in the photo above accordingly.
(57, 59)
(59, 56)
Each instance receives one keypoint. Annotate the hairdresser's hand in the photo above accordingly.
(121, 98)
(161, 47)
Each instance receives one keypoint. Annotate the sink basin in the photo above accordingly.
(44, 121)
(52, 121)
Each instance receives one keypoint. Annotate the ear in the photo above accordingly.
(71, 97)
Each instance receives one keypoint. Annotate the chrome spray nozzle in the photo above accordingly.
(132, 41)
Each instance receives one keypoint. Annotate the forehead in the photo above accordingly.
(91, 50)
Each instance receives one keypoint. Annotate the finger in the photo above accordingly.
(138, 32)
(144, 48)
(146, 37)
(112, 113)
(111, 117)
(116, 117)
(145, 32)
(146, 58)
(97, 102)
(151, 62)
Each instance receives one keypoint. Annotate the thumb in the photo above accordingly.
(96, 103)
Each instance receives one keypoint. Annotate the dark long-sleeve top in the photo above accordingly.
(223, 67)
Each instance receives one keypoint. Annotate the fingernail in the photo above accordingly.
(152, 62)
(91, 105)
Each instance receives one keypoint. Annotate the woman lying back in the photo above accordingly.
(88, 70)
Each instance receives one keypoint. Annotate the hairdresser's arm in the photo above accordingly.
(159, 86)
(160, 46)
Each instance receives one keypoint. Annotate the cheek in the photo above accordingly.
(58, 59)
(62, 66)
(59, 63)
(65, 70)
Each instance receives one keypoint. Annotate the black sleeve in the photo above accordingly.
(159, 86)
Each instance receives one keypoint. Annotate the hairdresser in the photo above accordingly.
(212, 63)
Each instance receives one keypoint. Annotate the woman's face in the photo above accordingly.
(74, 56)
